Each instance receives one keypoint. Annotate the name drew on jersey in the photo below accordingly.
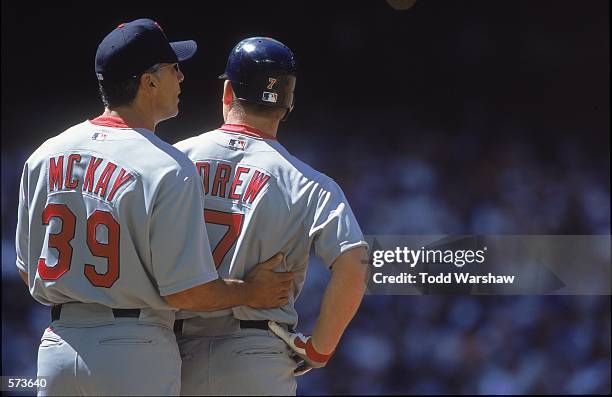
(239, 189)
(61, 175)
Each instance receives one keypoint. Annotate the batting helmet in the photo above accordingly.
(262, 70)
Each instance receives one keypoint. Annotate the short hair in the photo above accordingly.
(243, 107)
(119, 93)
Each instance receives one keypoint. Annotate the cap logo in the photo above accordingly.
(269, 97)
(271, 82)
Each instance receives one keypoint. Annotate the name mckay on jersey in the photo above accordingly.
(244, 184)
(63, 175)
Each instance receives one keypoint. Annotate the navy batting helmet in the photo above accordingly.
(262, 70)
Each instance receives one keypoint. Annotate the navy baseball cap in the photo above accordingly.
(133, 47)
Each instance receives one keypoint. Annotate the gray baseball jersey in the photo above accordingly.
(111, 215)
(261, 200)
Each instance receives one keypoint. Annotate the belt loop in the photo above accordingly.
(178, 328)
(56, 311)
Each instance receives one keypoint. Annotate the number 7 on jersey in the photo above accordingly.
(234, 223)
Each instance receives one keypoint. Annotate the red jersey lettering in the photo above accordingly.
(204, 170)
(123, 177)
(237, 182)
(71, 183)
(56, 170)
(256, 183)
(91, 171)
(221, 177)
(104, 179)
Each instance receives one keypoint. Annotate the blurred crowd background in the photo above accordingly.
(469, 117)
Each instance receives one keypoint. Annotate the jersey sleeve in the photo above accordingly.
(23, 223)
(334, 228)
(180, 252)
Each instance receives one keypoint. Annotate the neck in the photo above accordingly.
(133, 117)
(265, 125)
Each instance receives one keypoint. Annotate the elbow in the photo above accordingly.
(24, 277)
(352, 264)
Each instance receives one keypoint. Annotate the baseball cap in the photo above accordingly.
(135, 46)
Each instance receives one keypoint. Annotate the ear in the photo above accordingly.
(148, 82)
(228, 92)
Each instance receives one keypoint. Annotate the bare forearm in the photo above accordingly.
(215, 295)
(263, 288)
(341, 300)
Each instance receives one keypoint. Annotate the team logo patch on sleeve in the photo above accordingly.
(237, 144)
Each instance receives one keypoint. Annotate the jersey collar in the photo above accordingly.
(109, 121)
(246, 130)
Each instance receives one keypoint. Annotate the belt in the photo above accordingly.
(256, 324)
(253, 324)
(56, 310)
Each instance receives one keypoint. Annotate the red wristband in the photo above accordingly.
(315, 355)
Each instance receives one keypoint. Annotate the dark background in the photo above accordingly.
(451, 117)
